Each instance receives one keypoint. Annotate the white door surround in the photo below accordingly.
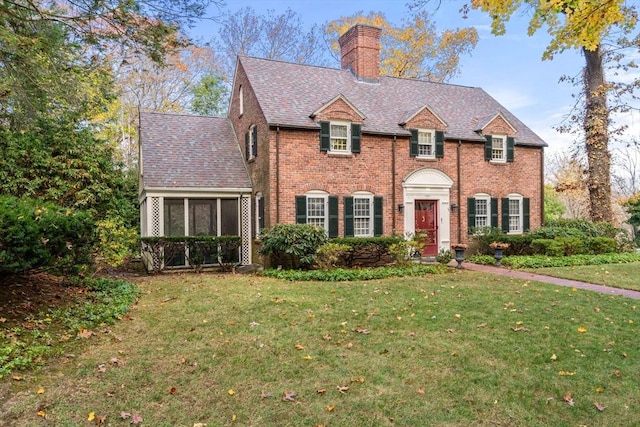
(431, 184)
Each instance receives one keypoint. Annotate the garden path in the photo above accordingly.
(552, 280)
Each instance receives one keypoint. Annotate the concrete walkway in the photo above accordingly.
(552, 280)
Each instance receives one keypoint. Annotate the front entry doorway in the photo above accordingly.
(426, 224)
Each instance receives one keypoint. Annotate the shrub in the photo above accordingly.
(43, 235)
(331, 255)
(116, 243)
(404, 250)
(573, 245)
(444, 256)
(549, 247)
(292, 245)
(601, 245)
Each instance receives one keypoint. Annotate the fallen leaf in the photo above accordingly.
(40, 390)
(330, 408)
(357, 380)
(343, 389)
(567, 398)
(566, 373)
(598, 406)
(349, 345)
(420, 391)
(361, 331)
(102, 367)
(450, 331)
(85, 334)
(582, 329)
(289, 396)
(265, 395)
(617, 373)
(625, 355)
(326, 337)
(16, 378)
(101, 420)
(200, 425)
(136, 419)
(321, 391)
(172, 390)
(307, 357)
(233, 417)
(231, 392)
(554, 357)
(520, 329)
(299, 347)
(42, 414)
(92, 416)
(599, 389)
(457, 316)
(482, 325)
(3, 319)
(124, 415)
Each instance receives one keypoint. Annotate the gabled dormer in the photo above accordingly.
(340, 126)
(427, 132)
(499, 134)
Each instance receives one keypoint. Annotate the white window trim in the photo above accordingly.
(487, 198)
(257, 208)
(503, 158)
(368, 196)
(519, 198)
(318, 194)
(348, 126)
(241, 100)
(433, 144)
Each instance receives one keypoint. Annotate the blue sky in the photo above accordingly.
(508, 67)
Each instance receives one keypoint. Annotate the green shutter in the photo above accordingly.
(526, 222)
(247, 148)
(325, 136)
(377, 216)
(348, 217)
(494, 212)
(333, 216)
(439, 144)
(471, 214)
(301, 209)
(355, 138)
(511, 142)
(487, 147)
(505, 215)
(413, 148)
(254, 148)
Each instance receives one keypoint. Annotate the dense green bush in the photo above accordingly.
(292, 245)
(541, 261)
(548, 247)
(343, 274)
(332, 255)
(601, 245)
(116, 242)
(37, 235)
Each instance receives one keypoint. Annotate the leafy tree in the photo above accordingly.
(209, 96)
(553, 206)
(580, 25)
(632, 204)
(414, 49)
(281, 37)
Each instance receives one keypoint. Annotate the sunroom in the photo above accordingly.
(194, 191)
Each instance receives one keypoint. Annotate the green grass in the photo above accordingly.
(614, 275)
(454, 349)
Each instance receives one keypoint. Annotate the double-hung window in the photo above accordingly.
(340, 138)
(426, 144)
(362, 216)
(498, 148)
(482, 213)
(320, 209)
(515, 214)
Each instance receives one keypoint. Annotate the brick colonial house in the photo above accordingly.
(354, 152)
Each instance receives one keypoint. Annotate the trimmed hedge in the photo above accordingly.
(38, 235)
(160, 252)
(367, 251)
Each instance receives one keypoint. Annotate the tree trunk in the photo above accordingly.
(596, 123)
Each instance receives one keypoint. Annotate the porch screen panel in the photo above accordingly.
(203, 217)
(229, 225)
(174, 217)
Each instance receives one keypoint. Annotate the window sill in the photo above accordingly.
(334, 154)
(426, 159)
(251, 160)
(498, 162)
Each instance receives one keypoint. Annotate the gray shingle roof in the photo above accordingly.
(289, 93)
(181, 151)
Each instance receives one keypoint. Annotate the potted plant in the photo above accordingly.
(498, 247)
(459, 249)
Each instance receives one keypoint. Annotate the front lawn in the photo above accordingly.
(614, 275)
(455, 349)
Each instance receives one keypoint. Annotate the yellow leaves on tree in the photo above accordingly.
(414, 49)
(570, 23)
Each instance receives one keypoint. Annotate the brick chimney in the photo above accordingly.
(360, 50)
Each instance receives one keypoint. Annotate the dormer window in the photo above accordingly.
(499, 148)
(340, 137)
(426, 144)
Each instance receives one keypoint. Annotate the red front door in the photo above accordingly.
(426, 224)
